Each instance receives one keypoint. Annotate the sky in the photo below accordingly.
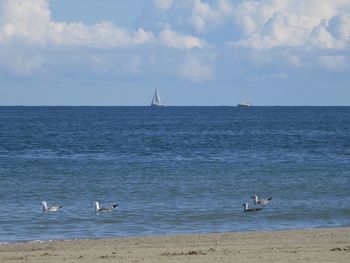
(196, 52)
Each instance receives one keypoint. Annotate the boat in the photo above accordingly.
(156, 99)
(244, 104)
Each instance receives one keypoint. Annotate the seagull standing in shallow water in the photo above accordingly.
(247, 209)
(261, 201)
(99, 209)
(53, 208)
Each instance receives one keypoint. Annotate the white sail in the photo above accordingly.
(156, 99)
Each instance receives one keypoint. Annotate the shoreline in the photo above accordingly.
(306, 245)
(167, 235)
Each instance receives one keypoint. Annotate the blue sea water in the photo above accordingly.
(171, 169)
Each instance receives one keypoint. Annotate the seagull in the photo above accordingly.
(53, 208)
(261, 201)
(246, 209)
(99, 209)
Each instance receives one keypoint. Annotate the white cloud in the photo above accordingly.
(205, 16)
(334, 63)
(195, 70)
(333, 33)
(339, 26)
(270, 24)
(263, 25)
(277, 31)
(173, 39)
(30, 22)
(21, 62)
(201, 12)
(279, 75)
(34, 40)
(271, 32)
(163, 4)
(320, 37)
(142, 37)
(24, 19)
(202, 16)
(102, 35)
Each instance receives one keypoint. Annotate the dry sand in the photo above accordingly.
(318, 245)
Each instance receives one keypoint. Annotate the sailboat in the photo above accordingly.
(156, 99)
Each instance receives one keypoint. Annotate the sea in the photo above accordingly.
(171, 170)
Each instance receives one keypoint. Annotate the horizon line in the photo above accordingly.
(234, 106)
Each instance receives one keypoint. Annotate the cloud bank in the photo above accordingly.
(314, 24)
(206, 36)
(27, 32)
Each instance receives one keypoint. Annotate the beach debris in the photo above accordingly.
(53, 208)
(253, 209)
(347, 249)
(261, 201)
(189, 253)
(99, 209)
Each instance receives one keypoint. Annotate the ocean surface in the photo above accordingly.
(172, 170)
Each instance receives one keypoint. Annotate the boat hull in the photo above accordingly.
(244, 105)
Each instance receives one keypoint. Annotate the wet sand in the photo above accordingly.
(317, 245)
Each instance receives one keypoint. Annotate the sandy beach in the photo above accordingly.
(317, 245)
